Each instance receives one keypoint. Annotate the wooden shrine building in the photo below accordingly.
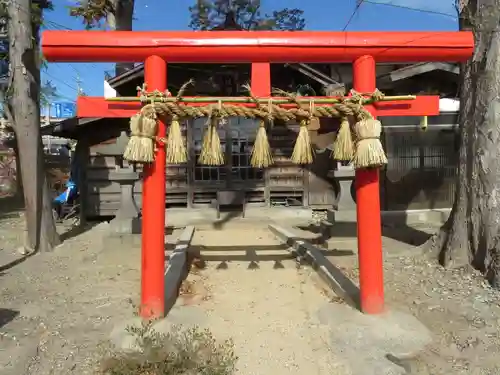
(419, 174)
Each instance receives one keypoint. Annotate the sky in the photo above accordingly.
(321, 15)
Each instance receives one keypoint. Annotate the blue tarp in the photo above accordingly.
(71, 191)
(69, 194)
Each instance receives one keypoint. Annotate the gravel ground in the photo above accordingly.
(55, 309)
(64, 304)
(458, 307)
(269, 312)
(271, 317)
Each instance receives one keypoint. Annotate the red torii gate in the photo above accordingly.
(155, 49)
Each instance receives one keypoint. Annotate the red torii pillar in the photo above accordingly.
(153, 213)
(369, 226)
(259, 48)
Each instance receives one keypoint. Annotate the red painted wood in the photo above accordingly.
(361, 48)
(89, 106)
(261, 79)
(422, 106)
(86, 105)
(153, 209)
(255, 46)
(371, 268)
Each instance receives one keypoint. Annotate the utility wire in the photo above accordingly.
(358, 5)
(49, 24)
(421, 10)
(393, 5)
(61, 81)
(57, 25)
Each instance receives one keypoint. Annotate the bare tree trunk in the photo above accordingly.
(121, 20)
(25, 110)
(49, 238)
(472, 233)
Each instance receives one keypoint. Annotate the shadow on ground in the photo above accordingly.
(7, 315)
(227, 215)
(76, 230)
(334, 277)
(405, 234)
(8, 266)
(10, 206)
(202, 254)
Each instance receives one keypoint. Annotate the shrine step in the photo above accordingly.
(180, 217)
(394, 218)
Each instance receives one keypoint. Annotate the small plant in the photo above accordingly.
(181, 352)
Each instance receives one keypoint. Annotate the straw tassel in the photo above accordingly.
(261, 153)
(176, 149)
(343, 148)
(211, 150)
(369, 151)
(142, 144)
(302, 152)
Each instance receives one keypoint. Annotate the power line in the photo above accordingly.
(77, 72)
(392, 5)
(77, 79)
(421, 10)
(51, 24)
(57, 25)
(62, 82)
(358, 5)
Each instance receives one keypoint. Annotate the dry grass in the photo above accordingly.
(181, 352)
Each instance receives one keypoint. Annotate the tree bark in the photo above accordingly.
(19, 179)
(471, 235)
(121, 20)
(25, 109)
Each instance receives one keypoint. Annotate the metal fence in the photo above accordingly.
(422, 165)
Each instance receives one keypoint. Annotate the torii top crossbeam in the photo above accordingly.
(255, 46)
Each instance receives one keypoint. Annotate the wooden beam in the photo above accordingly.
(421, 106)
(82, 155)
(255, 46)
(387, 79)
(88, 106)
(417, 69)
(132, 74)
